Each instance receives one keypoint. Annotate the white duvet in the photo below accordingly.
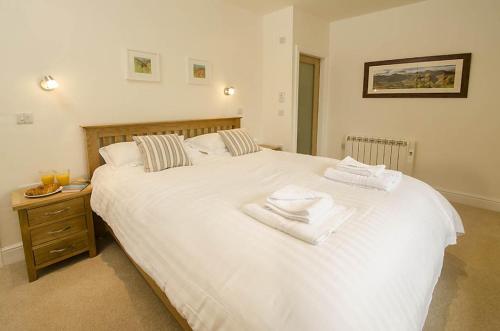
(222, 270)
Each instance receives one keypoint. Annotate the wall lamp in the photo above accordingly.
(229, 90)
(48, 83)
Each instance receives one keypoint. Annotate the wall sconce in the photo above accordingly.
(229, 90)
(48, 83)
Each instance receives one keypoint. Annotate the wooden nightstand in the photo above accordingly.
(54, 228)
(273, 147)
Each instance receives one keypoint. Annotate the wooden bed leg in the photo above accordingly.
(100, 227)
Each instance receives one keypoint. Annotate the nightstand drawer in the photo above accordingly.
(56, 211)
(54, 228)
(57, 230)
(60, 248)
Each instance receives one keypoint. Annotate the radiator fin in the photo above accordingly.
(396, 154)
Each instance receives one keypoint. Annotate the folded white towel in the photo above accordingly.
(295, 192)
(299, 203)
(310, 233)
(387, 181)
(348, 164)
(311, 219)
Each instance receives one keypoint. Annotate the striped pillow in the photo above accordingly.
(161, 152)
(238, 142)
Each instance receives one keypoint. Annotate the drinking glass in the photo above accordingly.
(47, 177)
(62, 177)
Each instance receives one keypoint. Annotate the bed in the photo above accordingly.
(217, 269)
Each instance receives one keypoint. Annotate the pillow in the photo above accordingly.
(104, 155)
(197, 157)
(160, 152)
(210, 143)
(121, 154)
(238, 142)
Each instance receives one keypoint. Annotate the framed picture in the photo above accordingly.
(442, 76)
(143, 66)
(198, 71)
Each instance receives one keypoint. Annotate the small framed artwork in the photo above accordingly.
(442, 76)
(143, 66)
(198, 71)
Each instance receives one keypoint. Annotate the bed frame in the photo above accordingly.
(102, 135)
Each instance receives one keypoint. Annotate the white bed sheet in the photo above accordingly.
(222, 270)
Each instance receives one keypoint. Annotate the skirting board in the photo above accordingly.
(471, 199)
(12, 254)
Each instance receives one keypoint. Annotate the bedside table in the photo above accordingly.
(273, 147)
(54, 228)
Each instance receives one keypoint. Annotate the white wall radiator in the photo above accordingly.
(396, 154)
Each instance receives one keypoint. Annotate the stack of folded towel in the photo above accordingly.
(302, 213)
(351, 171)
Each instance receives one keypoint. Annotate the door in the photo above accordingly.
(307, 117)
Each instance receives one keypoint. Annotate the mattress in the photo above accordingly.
(222, 270)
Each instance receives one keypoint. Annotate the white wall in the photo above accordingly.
(82, 44)
(458, 139)
(311, 33)
(277, 76)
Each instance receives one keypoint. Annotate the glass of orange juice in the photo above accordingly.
(62, 177)
(47, 177)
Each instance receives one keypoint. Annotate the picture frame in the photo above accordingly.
(143, 66)
(441, 76)
(199, 72)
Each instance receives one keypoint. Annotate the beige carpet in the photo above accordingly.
(107, 293)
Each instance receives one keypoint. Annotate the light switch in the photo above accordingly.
(281, 97)
(281, 112)
(24, 118)
(282, 40)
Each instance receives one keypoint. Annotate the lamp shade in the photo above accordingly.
(229, 90)
(48, 83)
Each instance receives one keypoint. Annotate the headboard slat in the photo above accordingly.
(102, 135)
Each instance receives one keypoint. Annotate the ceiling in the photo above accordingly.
(328, 9)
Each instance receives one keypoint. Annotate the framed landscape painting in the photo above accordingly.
(143, 66)
(198, 71)
(442, 76)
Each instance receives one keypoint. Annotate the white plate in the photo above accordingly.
(43, 195)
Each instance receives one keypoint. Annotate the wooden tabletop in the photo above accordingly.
(18, 201)
(271, 146)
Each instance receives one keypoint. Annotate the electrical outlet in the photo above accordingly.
(240, 111)
(24, 118)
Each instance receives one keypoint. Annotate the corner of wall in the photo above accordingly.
(277, 65)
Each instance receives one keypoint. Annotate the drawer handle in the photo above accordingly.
(52, 213)
(60, 230)
(54, 251)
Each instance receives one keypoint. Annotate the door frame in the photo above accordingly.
(316, 62)
(320, 100)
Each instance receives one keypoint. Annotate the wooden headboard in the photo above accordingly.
(102, 135)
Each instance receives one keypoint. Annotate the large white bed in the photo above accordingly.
(222, 270)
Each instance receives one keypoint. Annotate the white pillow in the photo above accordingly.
(120, 154)
(210, 143)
